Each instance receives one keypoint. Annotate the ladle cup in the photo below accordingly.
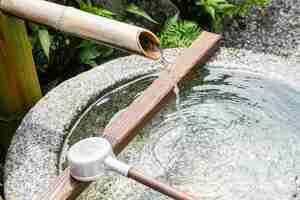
(90, 158)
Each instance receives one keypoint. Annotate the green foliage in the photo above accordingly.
(90, 51)
(41, 38)
(45, 41)
(47, 46)
(132, 8)
(100, 11)
(217, 10)
(55, 52)
(41, 42)
(243, 8)
(178, 33)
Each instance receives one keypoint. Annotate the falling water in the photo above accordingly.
(178, 155)
(169, 67)
(166, 65)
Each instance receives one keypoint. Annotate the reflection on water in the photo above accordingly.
(240, 140)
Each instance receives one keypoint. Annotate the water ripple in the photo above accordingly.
(236, 136)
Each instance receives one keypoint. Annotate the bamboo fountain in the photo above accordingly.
(120, 35)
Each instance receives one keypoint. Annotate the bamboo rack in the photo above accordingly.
(71, 20)
(125, 127)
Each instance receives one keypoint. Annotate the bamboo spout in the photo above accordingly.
(71, 20)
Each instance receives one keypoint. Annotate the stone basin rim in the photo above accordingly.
(32, 157)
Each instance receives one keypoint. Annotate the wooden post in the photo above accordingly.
(19, 85)
(125, 127)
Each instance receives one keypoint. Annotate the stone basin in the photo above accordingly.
(66, 115)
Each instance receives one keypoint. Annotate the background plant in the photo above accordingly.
(59, 56)
(210, 14)
(217, 10)
(178, 33)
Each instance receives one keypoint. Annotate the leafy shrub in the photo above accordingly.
(89, 51)
(210, 14)
(217, 10)
(54, 52)
(178, 33)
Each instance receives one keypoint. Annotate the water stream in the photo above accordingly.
(173, 158)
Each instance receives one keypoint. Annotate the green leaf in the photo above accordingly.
(88, 51)
(33, 27)
(88, 7)
(87, 54)
(45, 41)
(200, 3)
(171, 21)
(178, 33)
(86, 44)
(90, 62)
(227, 6)
(211, 11)
(218, 1)
(138, 11)
(106, 51)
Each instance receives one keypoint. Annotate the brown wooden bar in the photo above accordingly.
(126, 126)
(158, 186)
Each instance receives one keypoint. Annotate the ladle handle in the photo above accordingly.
(158, 186)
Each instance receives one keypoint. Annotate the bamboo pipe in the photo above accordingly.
(71, 20)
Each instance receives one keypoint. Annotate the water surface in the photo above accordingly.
(235, 137)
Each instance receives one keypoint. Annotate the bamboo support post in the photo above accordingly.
(71, 20)
(19, 85)
(126, 126)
